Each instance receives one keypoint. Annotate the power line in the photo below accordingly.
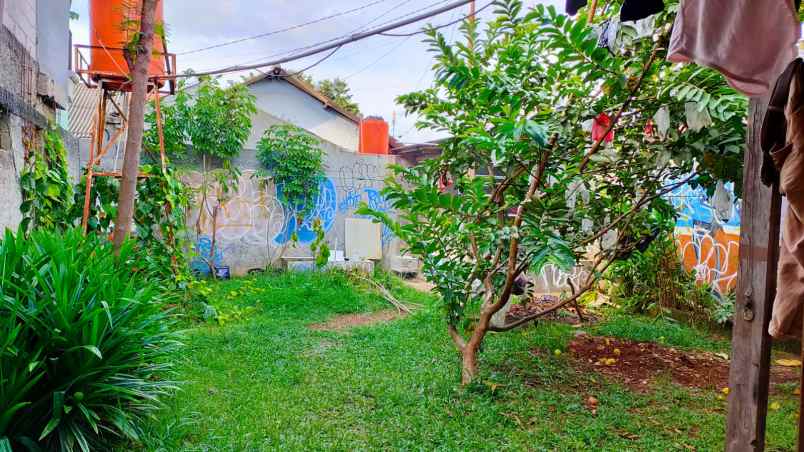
(407, 35)
(393, 49)
(284, 30)
(333, 45)
(310, 46)
(393, 8)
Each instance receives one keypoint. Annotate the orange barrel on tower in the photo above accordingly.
(112, 26)
(374, 138)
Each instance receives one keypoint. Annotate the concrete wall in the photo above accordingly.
(290, 104)
(11, 162)
(53, 44)
(254, 227)
(19, 16)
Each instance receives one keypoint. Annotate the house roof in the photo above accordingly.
(278, 73)
(84, 109)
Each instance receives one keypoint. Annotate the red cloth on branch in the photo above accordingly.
(600, 126)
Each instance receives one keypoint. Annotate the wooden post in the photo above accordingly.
(159, 128)
(94, 146)
(756, 289)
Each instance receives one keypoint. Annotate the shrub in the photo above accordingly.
(655, 282)
(83, 342)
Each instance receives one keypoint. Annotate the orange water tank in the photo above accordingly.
(374, 138)
(112, 24)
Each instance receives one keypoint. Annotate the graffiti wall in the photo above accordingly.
(254, 228)
(708, 235)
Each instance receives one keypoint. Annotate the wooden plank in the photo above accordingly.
(756, 288)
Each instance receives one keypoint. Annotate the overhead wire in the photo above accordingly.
(337, 43)
(282, 30)
(310, 46)
(370, 65)
(449, 24)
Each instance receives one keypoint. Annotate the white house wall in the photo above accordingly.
(288, 103)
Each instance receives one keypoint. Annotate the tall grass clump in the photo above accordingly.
(84, 342)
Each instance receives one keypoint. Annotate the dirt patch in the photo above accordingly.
(639, 364)
(349, 321)
(536, 305)
(419, 284)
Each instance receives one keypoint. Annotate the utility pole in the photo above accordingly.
(136, 124)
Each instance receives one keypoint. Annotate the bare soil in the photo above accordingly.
(419, 284)
(349, 321)
(536, 305)
(639, 364)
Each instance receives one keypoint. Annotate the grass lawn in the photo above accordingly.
(268, 382)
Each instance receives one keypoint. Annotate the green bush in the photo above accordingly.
(84, 342)
(655, 282)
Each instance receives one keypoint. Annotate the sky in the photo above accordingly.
(377, 69)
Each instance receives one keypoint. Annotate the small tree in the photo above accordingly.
(337, 90)
(530, 184)
(216, 122)
(295, 163)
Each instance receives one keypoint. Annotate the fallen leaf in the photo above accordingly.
(797, 391)
(725, 390)
(725, 356)
(557, 352)
(775, 406)
(789, 362)
(617, 352)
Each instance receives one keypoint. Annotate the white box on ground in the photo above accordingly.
(363, 239)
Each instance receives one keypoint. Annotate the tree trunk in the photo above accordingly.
(470, 350)
(469, 364)
(136, 120)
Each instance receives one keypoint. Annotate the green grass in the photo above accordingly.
(267, 382)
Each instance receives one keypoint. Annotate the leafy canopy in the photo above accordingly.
(214, 120)
(528, 183)
(295, 161)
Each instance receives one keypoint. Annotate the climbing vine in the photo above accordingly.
(295, 162)
(159, 219)
(47, 192)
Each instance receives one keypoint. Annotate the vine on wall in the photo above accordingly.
(47, 192)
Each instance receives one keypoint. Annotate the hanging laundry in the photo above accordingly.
(600, 127)
(749, 41)
(697, 119)
(782, 138)
(575, 189)
(640, 9)
(574, 5)
(662, 120)
(609, 36)
(644, 27)
(649, 128)
(723, 202)
(609, 240)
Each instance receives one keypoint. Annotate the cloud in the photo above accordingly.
(375, 81)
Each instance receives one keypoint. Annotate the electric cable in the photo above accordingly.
(282, 30)
(324, 48)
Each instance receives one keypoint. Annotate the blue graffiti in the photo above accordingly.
(694, 208)
(203, 248)
(350, 201)
(324, 210)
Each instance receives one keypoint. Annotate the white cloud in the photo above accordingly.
(194, 24)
